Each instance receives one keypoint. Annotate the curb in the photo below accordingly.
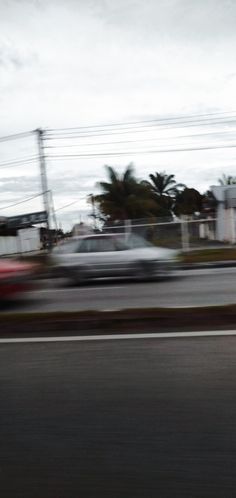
(126, 320)
(215, 264)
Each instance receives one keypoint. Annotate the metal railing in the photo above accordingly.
(185, 234)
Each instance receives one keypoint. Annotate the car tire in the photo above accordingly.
(75, 277)
(144, 271)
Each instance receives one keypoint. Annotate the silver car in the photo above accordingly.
(111, 255)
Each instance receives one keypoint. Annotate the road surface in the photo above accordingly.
(134, 418)
(188, 288)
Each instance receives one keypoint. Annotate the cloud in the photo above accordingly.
(75, 63)
(91, 60)
(20, 185)
(179, 19)
(15, 56)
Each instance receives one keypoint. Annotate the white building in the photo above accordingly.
(225, 212)
(81, 229)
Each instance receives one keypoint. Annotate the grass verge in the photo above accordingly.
(129, 320)
(210, 255)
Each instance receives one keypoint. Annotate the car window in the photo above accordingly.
(107, 244)
(87, 245)
(136, 242)
(97, 244)
(67, 247)
(121, 244)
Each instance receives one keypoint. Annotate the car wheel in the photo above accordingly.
(75, 277)
(145, 271)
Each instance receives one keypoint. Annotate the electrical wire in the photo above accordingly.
(23, 201)
(186, 116)
(71, 203)
(178, 121)
(128, 153)
(125, 132)
(18, 162)
(135, 141)
(16, 136)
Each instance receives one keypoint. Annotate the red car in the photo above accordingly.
(15, 277)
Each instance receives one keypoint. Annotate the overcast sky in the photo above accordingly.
(75, 63)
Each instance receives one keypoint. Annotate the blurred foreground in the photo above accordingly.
(143, 418)
(187, 288)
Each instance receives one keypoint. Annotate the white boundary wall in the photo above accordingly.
(27, 240)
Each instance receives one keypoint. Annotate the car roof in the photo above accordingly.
(96, 235)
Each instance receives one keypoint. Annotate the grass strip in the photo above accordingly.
(156, 319)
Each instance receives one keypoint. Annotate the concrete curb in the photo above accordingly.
(215, 264)
(127, 320)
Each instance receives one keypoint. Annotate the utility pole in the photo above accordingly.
(53, 211)
(54, 217)
(92, 201)
(44, 181)
(184, 233)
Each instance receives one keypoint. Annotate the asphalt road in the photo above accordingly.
(188, 288)
(118, 419)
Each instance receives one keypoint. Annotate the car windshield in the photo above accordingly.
(136, 242)
(67, 247)
(103, 243)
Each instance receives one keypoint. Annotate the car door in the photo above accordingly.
(100, 257)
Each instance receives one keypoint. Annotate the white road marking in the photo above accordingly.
(205, 271)
(73, 289)
(113, 337)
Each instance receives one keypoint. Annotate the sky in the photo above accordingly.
(90, 63)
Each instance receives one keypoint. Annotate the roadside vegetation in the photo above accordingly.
(124, 196)
(210, 255)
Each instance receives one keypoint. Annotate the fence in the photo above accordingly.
(182, 234)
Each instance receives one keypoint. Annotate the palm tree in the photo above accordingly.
(163, 184)
(123, 196)
(227, 180)
(164, 190)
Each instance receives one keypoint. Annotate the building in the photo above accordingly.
(81, 229)
(225, 212)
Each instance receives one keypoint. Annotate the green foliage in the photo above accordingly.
(227, 180)
(164, 185)
(123, 196)
(210, 255)
(209, 203)
(188, 202)
(164, 190)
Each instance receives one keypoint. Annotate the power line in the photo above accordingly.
(128, 153)
(170, 126)
(136, 141)
(172, 120)
(16, 136)
(157, 123)
(71, 203)
(186, 116)
(18, 162)
(21, 202)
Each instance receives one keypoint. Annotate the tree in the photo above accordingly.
(188, 202)
(123, 197)
(164, 189)
(227, 180)
(163, 184)
(209, 203)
